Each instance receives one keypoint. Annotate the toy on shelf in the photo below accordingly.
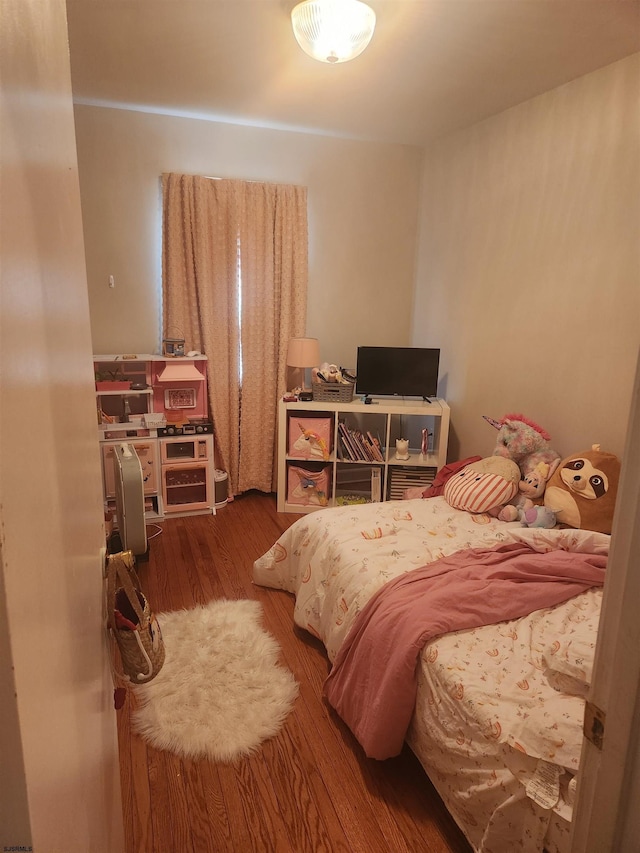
(424, 445)
(402, 449)
(331, 373)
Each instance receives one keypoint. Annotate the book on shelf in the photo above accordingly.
(377, 449)
(346, 442)
(350, 443)
(362, 450)
(371, 457)
(359, 446)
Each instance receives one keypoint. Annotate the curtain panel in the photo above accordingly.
(235, 271)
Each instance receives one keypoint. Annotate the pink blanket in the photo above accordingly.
(373, 682)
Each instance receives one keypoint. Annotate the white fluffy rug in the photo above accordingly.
(221, 691)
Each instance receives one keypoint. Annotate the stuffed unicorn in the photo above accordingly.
(525, 442)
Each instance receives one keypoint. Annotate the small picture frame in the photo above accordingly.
(180, 398)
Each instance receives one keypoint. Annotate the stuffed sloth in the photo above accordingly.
(582, 491)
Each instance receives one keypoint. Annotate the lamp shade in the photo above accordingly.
(303, 352)
(333, 30)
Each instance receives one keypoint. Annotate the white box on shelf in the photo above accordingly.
(376, 488)
(154, 419)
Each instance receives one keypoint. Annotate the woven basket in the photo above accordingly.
(140, 645)
(334, 392)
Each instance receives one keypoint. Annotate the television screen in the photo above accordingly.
(397, 371)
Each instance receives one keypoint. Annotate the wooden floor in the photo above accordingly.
(308, 789)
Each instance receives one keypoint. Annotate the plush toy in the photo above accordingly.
(331, 373)
(537, 516)
(529, 515)
(582, 491)
(524, 441)
(533, 484)
(530, 491)
(483, 486)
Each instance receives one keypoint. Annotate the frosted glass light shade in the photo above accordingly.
(333, 30)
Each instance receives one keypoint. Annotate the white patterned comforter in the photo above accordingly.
(498, 721)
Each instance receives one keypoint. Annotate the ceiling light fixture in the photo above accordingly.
(333, 30)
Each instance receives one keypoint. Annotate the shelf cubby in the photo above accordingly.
(362, 440)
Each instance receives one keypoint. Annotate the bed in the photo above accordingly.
(498, 709)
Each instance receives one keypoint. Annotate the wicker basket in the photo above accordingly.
(332, 392)
(139, 640)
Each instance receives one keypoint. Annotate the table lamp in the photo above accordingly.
(302, 353)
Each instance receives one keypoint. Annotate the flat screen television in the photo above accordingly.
(397, 371)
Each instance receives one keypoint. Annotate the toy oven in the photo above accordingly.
(186, 472)
(187, 486)
(184, 448)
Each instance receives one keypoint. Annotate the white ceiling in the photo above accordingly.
(432, 65)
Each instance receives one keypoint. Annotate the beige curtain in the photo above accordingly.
(235, 286)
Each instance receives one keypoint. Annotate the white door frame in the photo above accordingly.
(606, 815)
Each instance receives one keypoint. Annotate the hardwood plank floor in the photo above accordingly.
(308, 790)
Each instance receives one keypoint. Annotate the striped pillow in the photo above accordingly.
(478, 491)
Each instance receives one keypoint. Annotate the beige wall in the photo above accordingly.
(59, 777)
(527, 255)
(362, 202)
(529, 264)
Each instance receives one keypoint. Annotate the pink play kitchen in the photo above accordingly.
(159, 405)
